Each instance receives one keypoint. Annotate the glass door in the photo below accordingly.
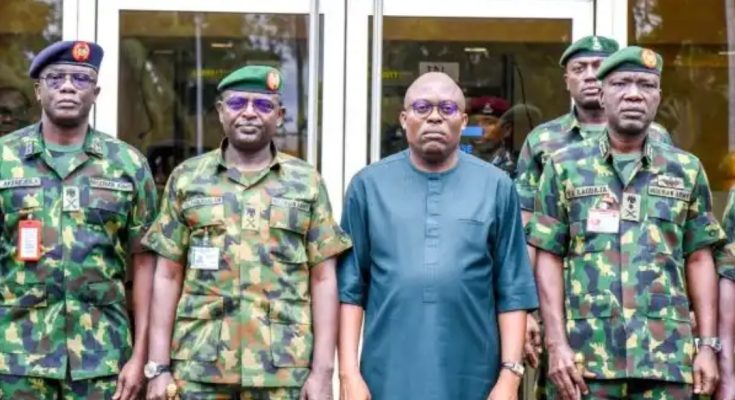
(504, 51)
(163, 60)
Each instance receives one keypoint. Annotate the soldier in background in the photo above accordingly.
(624, 228)
(74, 205)
(492, 146)
(245, 284)
(14, 107)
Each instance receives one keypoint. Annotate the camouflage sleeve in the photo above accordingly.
(528, 172)
(169, 235)
(548, 229)
(145, 205)
(325, 238)
(725, 254)
(701, 228)
(353, 272)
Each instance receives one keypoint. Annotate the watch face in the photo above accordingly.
(149, 370)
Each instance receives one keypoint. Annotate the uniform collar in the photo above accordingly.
(33, 143)
(244, 179)
(606, 148)
(571, 123)
(276, 161)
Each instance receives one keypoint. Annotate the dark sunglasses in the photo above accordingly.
(238, 103)
(423, 108)
(79, 80)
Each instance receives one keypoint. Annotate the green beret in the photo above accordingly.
(253, 78)
(589, 46)
(632, 58)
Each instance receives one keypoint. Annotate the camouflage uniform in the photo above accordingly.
(549, 137)
(248, 320)
(496, 154)
(626, 302)
(64, 316)
(725, 255)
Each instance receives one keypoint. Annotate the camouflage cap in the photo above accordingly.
(253, 78)
(632, 58)
(589, 46)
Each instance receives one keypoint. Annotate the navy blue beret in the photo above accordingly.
(86, 54)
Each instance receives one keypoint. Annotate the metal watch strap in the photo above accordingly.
(514, 367)
(711, 342)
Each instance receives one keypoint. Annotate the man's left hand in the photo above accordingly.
(130, 380)
(706, 373)
(506, 388)
(318, 386)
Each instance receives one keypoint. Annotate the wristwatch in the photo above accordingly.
(514, 367)
(152, 369)
(711, 342)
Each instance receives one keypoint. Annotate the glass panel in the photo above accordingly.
(508, 59)
(698, 81)
(27, 27)
(158, 107)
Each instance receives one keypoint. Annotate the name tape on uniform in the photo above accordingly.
(202, 201)
(20, 182)
(290, 203)
(119, 186)
(670, 193)
(584, 191)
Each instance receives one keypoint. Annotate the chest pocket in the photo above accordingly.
(108, 203)
(666, 217)
(205, 217)
(289, 221)
(19, 203)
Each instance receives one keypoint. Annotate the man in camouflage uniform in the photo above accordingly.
(245, 282)
(725, 258)
(580, 62)
(74, 205)
(623, 227)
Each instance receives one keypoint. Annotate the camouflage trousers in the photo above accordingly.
(631, 389)
(30, 388)
(207, 391)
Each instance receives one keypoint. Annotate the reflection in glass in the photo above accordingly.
(508, 70)
(697, 100)
(171, 63)
(27, 27)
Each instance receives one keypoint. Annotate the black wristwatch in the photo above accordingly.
(153, 369)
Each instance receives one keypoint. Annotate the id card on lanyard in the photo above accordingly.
(29, 239)
(204, 256)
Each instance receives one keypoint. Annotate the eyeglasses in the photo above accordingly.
(79, 80)
(238, 103)
(423, 108)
